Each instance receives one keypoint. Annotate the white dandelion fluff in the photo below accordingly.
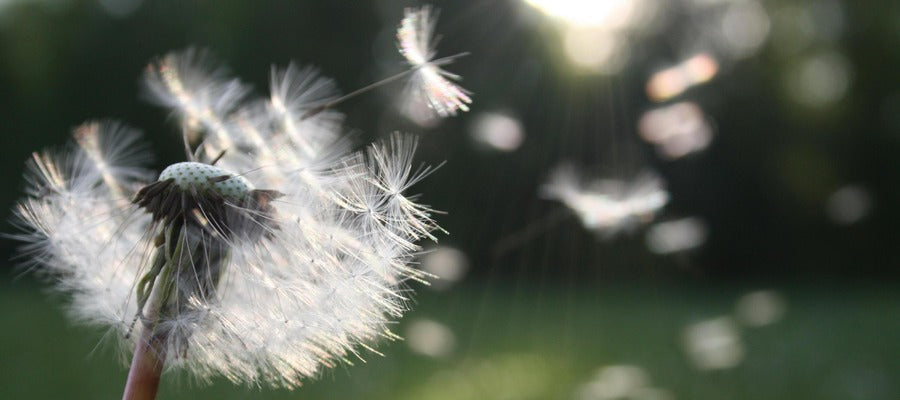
(430, 83)
(272, 253)
(197, 90)
(608, 206)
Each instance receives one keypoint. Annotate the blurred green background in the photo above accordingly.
(792, 294)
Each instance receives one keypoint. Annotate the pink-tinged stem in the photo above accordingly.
(146, 368)
(150, 350)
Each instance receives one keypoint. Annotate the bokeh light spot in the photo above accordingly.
(430, 338)
(745, 27)
(676, 236)
(849, 205)
(820, 80)
(449, 265)
(760, 308)
(673, 81)
(676, 130)
(497, 131)
(713, 344)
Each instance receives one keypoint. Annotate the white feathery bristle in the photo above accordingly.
(298, 89)
(76, 226)
(295, 91)
(393, 165)
(430, 83)
(318, 288)
(608, 206)
(198, 92)
(116, 151)
(415, 36)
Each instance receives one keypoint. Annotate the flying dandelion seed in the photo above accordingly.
(608, 206)
(430, 83)
(272, 253)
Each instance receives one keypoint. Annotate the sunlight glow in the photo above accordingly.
(597, 34)
(595, 50)
(588, 13)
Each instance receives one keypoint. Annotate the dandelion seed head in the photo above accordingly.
(289, 255)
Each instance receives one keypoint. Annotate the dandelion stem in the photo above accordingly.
(146, 368)
(150, 350)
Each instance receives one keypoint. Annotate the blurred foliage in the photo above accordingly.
(525, 343)
(532, 313)
(762, 185)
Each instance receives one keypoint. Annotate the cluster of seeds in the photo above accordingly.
(202, 176)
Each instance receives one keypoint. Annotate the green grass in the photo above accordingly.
(517, 343)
